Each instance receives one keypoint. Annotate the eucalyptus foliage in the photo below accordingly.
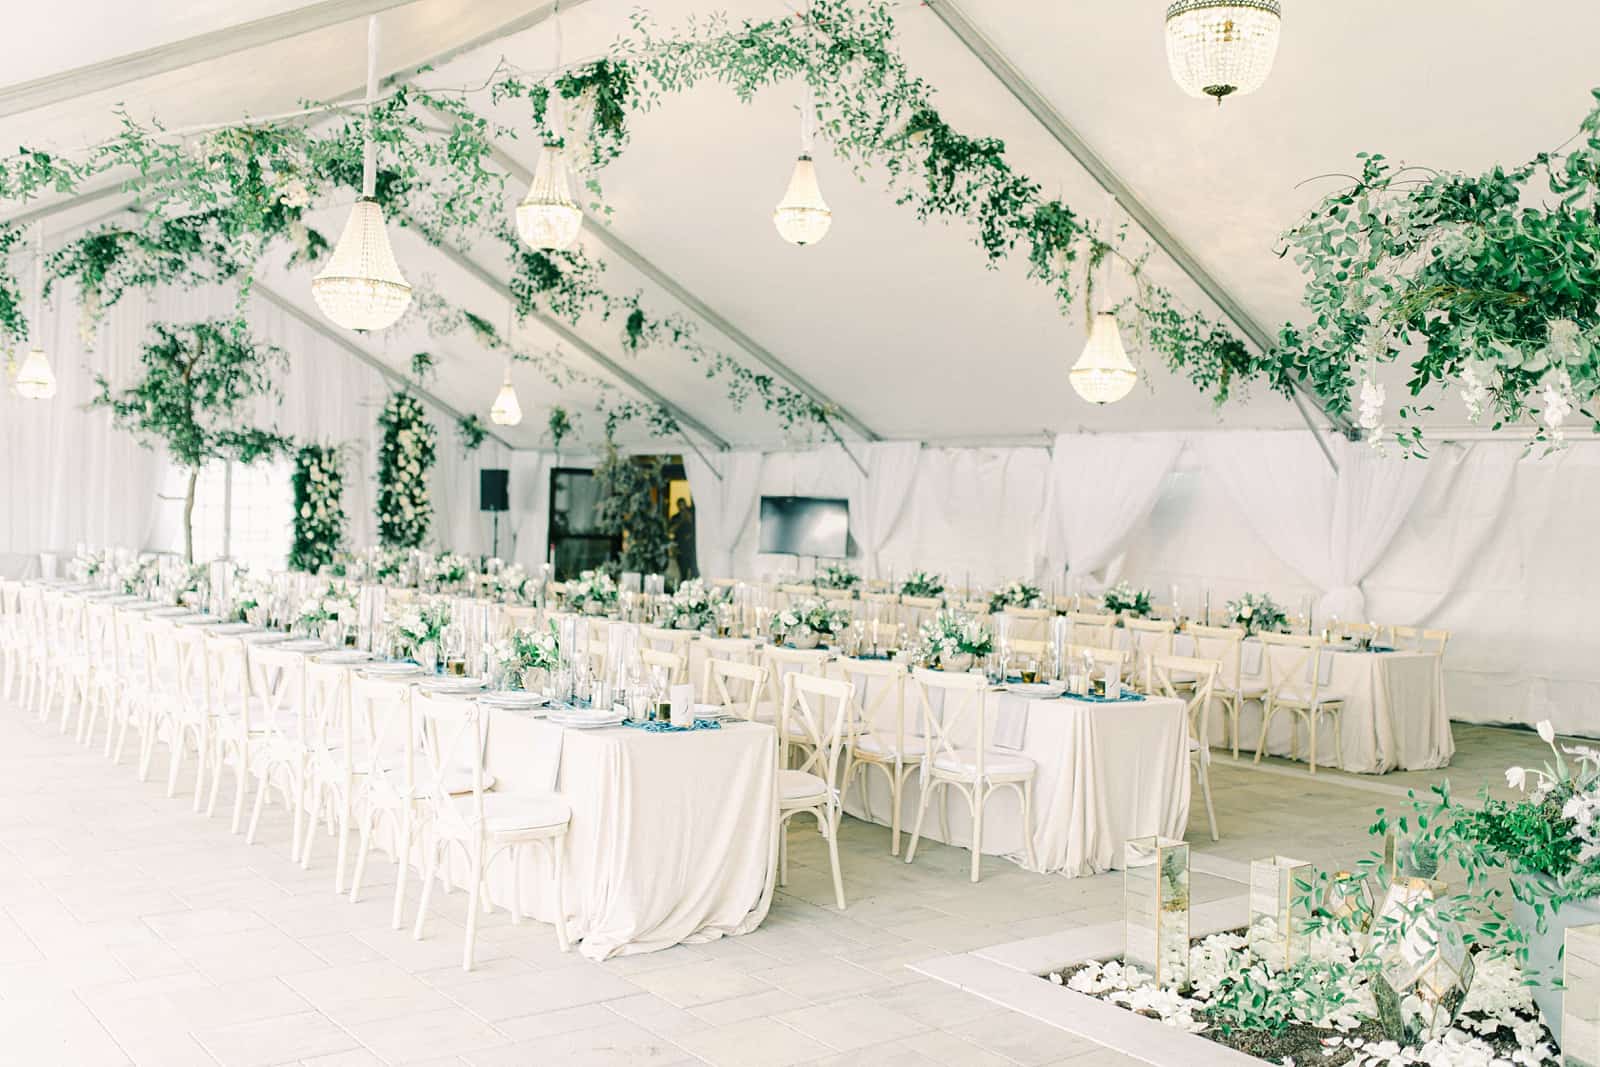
(471, 432)
(406, 453)
(197, 385)
(317, 483)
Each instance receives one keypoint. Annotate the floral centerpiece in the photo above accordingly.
(951, 640)
(527, 649)
(922, 584)
(88, 565)
(693, 606)
(593, 592)
(805, 622)
(333, 602)
(444, 571)
(1124, 599)
(132, 575)
(249, 593)
(418, 630)
(837, 576)
(1015, 595)
(1257, 614)
(508, 582)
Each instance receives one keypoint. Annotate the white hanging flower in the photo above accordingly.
(1474, 392)
(1517, 777)
(1547, 732)
(1557, 403)
(1373, 397)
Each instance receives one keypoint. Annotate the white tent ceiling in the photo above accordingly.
(897, 322)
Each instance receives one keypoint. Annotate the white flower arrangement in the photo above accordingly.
(132, 575)
(333, 602)
(807, 616)
(1498, 1002)
(420, 626)
(837, 576)
(693, 606)
(1123, 598)
(592, 591)
(88, 565)
(508, 582)
(1257, 613)
(319, 519)
(1016, 595)
(405, 455)
(250, 592)
(951, 634)
(922, 584)
(527, 649)
(443, 570)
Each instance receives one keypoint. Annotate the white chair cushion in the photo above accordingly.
(874, 745)
(509, 813)
(997, 763)
(795, 787)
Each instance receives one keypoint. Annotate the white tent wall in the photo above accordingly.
(71, 477)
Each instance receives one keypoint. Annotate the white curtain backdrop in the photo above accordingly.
(723, 508)
(884, 495)
(529, 518)
(1102, 486)
(1331, 528)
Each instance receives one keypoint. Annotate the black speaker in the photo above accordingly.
(493, 489)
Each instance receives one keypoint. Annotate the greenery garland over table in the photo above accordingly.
(1460, 274)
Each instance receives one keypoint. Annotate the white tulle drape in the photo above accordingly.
(1331, 528)
(1101, 488)
(723, 507)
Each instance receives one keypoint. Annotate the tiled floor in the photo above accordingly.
(133, 931)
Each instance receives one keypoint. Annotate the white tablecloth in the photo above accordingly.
(672, 837)
(1394, 715)
(1106, 773)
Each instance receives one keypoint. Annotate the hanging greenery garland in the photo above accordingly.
(317, 482)
(1500, 296)
(472, 433)
(405, 455)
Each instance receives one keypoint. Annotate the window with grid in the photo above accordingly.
(256, 534)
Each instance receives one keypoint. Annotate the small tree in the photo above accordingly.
(633, 505)
(198, 379)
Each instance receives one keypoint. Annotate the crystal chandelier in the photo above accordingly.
(361, 288)
(548, 218)
(506, 411)
(1220, 47)
(802, 216)
(1103, 374)
(35, 380)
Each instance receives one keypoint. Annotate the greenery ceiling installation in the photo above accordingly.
(1457, 274)
(197, 383)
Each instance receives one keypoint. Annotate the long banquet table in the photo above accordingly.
(1107, 772)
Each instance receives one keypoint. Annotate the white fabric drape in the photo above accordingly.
(1102, 486)
(723, 507)
(1331, 528)
(884, 494)
(530, 508)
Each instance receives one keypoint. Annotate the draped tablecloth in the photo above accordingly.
(1106, 773)
(1394, 715)
(672, 838)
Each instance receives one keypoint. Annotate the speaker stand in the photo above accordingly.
(496, 551)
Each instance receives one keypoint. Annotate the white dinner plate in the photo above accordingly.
(1036, 689)
(509, 698)
(586, 720)
(392, 670)
(344, 656)
(449, 684)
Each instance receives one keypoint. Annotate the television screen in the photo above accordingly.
(804, 526)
